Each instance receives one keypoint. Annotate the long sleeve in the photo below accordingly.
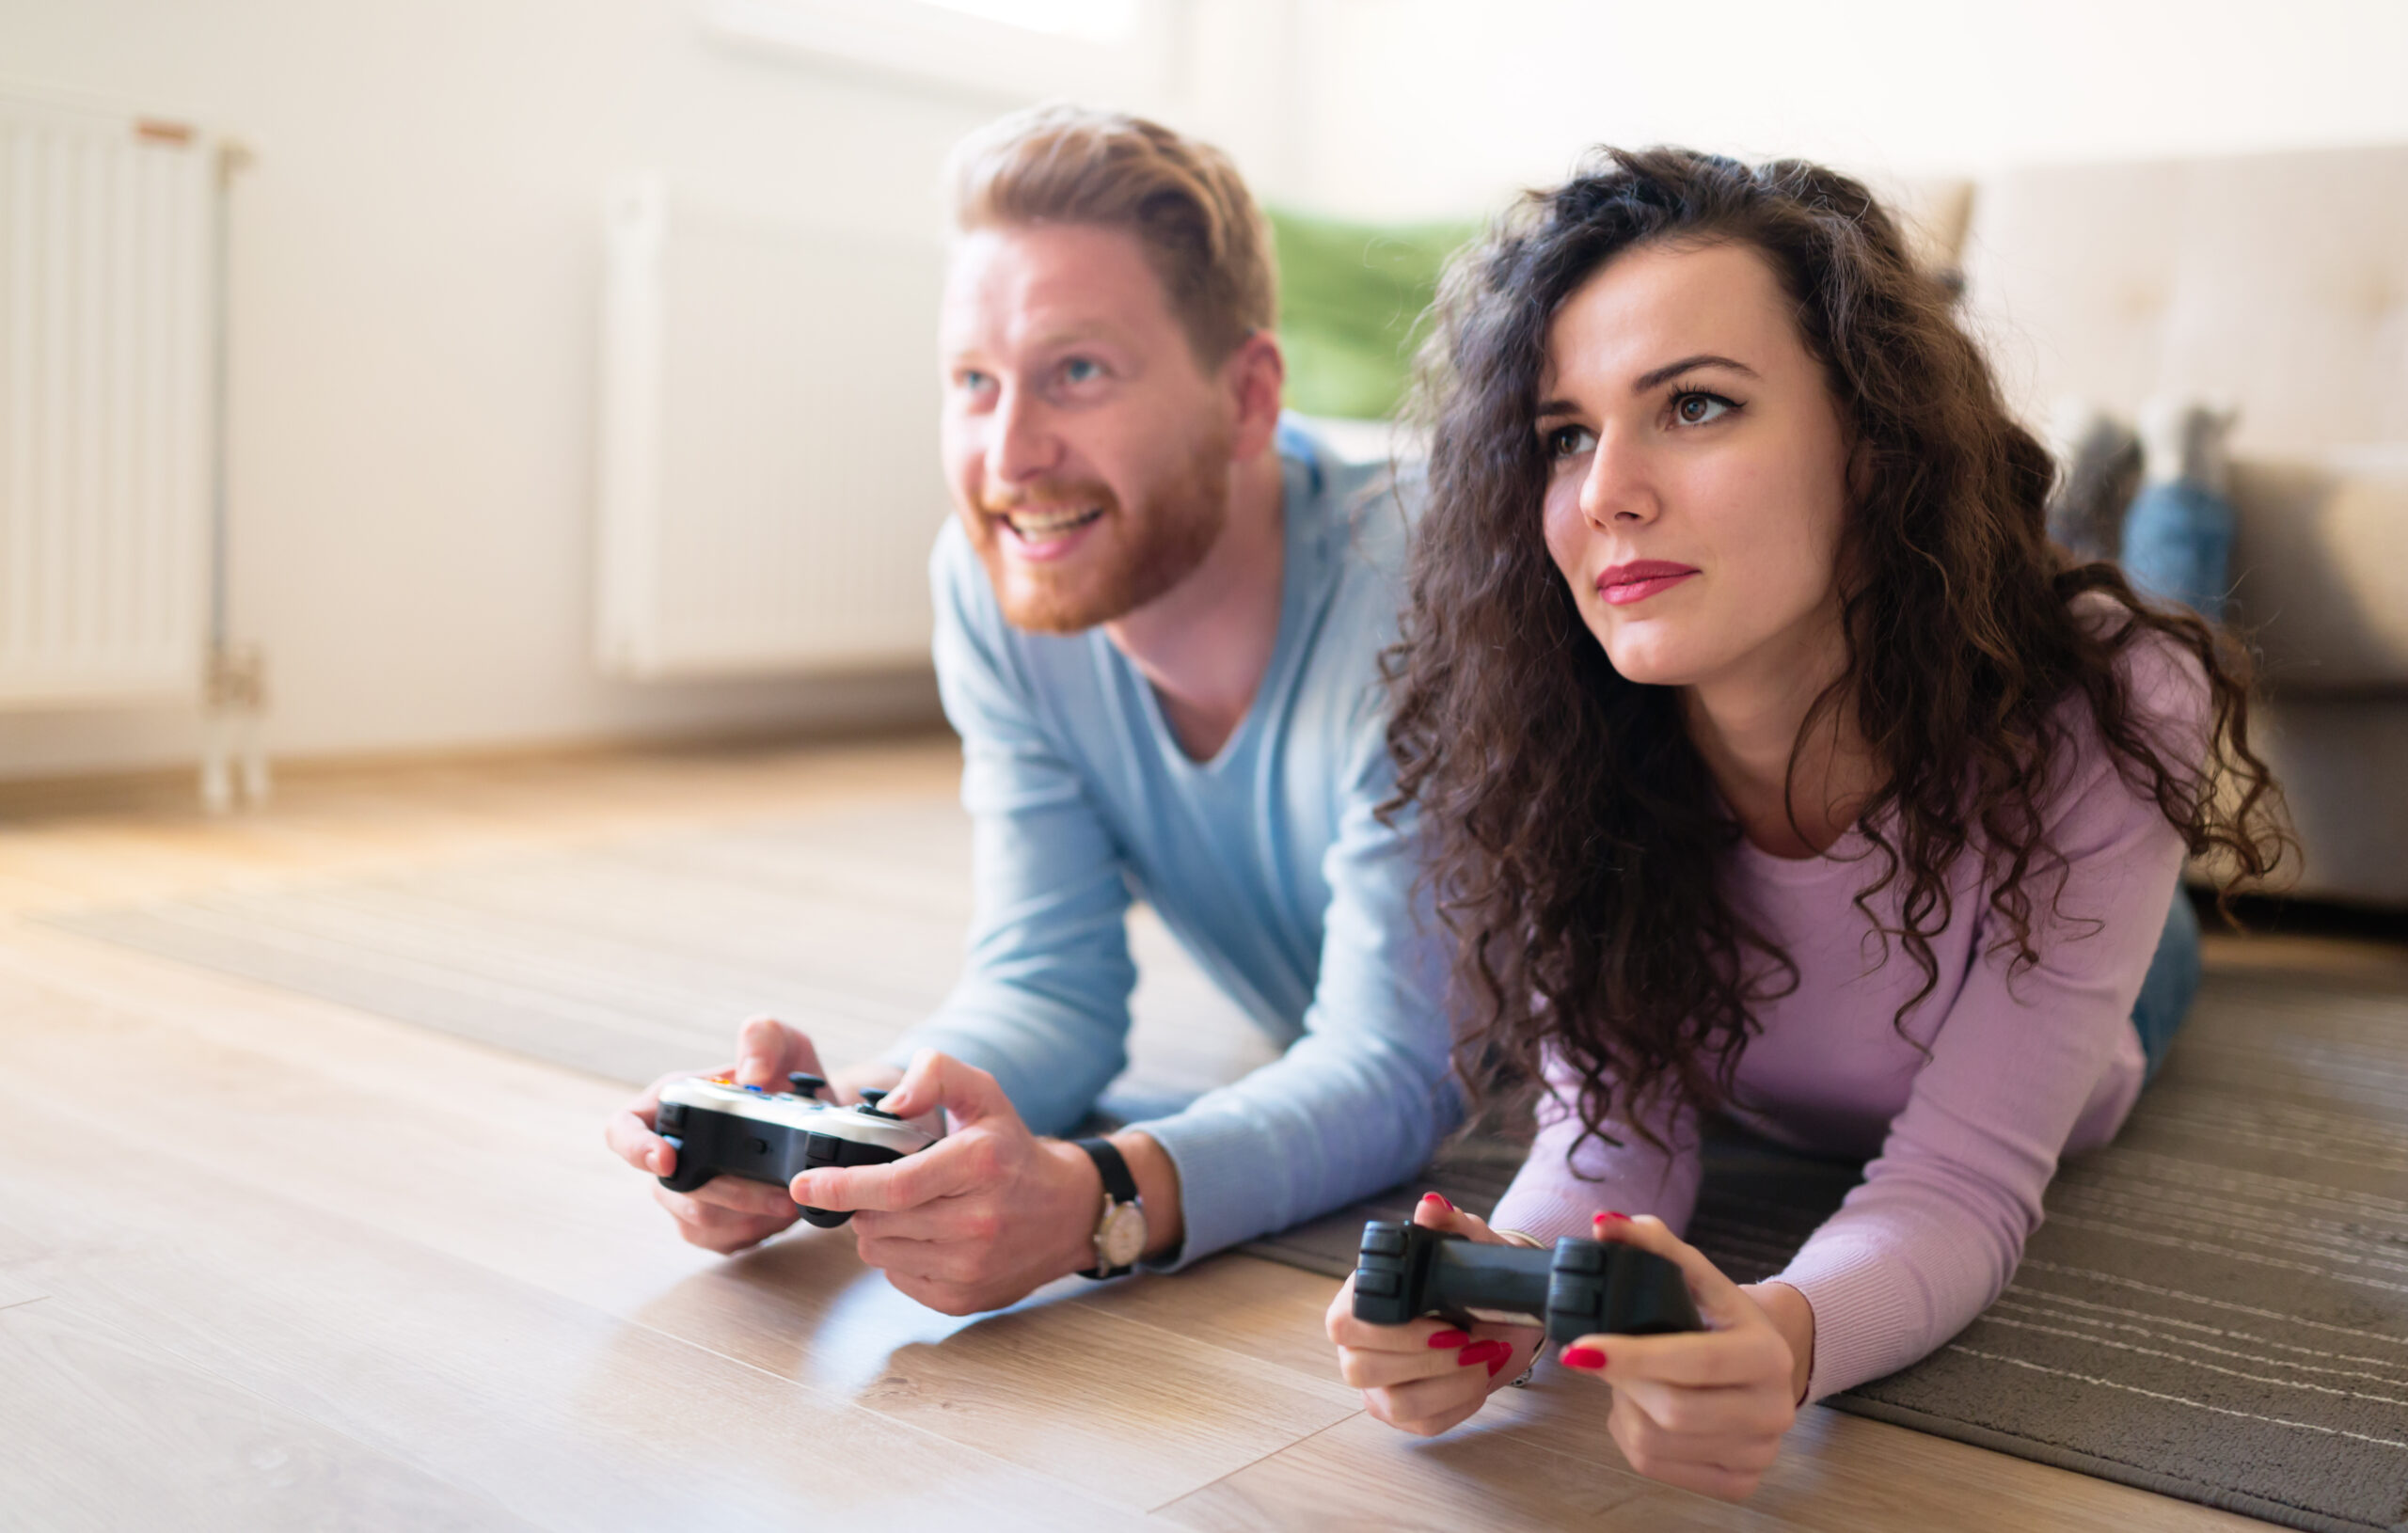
(1362, 1096)
(1560, 1188)
(1269, 863)
(1935, 1231)
(1961, 1143)
(1042, 1004)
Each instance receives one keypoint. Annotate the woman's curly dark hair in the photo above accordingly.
(1574, 831)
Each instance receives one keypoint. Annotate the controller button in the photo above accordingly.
(671, 1116)
(818, 1150)
(1580, 1257)
(1379, 1285)
(1388, 1241)
(760, 1146)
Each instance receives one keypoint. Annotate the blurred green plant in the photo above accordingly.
(1354, 304)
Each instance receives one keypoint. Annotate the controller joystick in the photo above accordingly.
(720, 1128)
(1579, 1289)
(873, 1101)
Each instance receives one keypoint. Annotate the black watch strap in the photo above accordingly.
(1118, 1185)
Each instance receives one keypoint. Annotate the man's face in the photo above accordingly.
(1087, 449)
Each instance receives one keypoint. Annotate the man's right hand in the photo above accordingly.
(726, 1213)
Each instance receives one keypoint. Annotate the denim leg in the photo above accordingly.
(2178, 544)
(2172, 980)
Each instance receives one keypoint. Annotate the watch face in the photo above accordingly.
(1121, 1238)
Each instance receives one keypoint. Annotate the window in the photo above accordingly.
(1108, 51)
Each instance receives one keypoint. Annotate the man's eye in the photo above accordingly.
(1079, 369)
(1569, 441)
(970, 380)
(1696, 409)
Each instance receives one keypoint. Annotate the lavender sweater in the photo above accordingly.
(2021, 1071)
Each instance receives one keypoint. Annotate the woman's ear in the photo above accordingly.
(1860, 472)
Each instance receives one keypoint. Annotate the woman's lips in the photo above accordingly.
(1623, 584)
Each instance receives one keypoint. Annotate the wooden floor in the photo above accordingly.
(266, 1262)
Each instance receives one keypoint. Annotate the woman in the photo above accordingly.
(1775, 765)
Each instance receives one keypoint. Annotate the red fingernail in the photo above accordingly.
(1450, 1339)
(1433, 1197)
(1583, 1357)
(1497, 1365)
(1609, 1216)
(1491, 1350)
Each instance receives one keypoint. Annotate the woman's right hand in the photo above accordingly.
(1426, 1376)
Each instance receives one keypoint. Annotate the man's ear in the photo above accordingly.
(1255, 375)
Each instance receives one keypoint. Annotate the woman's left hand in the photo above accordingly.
(1703, 1410)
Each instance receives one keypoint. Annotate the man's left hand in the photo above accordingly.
(980, 1218)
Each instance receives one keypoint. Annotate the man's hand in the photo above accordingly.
(725, 1214)
(978, 1219)
(1703, 1410)
(1427, 1377)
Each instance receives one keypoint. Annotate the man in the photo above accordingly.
(1158, 628)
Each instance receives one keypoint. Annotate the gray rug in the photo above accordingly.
(2216, 1308)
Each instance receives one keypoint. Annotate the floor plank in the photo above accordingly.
(547, 1410)
(1122, 1394)
(104, 1434)
(1363, 1474)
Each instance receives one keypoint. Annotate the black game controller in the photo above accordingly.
(1580, 1289)
(717, 1126)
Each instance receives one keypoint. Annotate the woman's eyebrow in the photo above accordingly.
(1673, 369)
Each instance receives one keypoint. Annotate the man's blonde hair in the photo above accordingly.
(1183, 200)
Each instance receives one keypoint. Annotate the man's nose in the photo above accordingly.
(1618, 487)
(1021, 445)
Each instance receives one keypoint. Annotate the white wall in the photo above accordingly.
(1417, 110)
(416, 268)
(415, 295)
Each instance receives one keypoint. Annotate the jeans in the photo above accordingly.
(2172, 980)
(2178, 544)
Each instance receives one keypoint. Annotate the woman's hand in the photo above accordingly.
(1703, 1410)
(1427, 1376)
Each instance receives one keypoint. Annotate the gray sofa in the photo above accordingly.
(2278, 283)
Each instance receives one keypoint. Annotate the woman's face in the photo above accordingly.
(1698, 475)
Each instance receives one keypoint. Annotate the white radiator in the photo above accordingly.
(769, 488)
(107, 250)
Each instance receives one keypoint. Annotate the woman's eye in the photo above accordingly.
(1694, 409)
(1569, 441)
(970, 380)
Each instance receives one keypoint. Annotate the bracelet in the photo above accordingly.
(1536, 1353)
(1523, 1237)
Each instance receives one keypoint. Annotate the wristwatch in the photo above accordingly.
(1120, 1231)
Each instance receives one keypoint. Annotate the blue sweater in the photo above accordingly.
(1267, 862)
